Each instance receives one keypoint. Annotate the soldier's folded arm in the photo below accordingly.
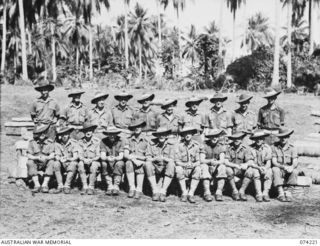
(203, 159)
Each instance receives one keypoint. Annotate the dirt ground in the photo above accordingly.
(23, 215)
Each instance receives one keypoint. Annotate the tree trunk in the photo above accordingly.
(233, 36)
(140, 60)
(29, 40)
(53, 48)
(90, 52)
(179, 32)
(220, 27)
(23, 42)
(159, 25)
(311, 33)
(4, 37)
(275, 77)
(126, 39)
(77, 59)
(289, 27)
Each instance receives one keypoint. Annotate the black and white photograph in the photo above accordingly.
(159, 119)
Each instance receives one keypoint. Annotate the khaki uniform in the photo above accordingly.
(46, 112)
(218, 120)
(172, 124)
(36, 148)
(122, 118)
(260, 157)
(149, 116)
(102, 119)
(246, 121)
(188, 154)
(213, 152)
(285, 156)
(67, 151)
(164, 168)
(196, 120)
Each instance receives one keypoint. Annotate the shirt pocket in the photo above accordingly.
(223, 121)
(276, 118)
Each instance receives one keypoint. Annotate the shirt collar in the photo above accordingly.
(145, 111)
(218, 112)
(188, 111)
(122, 109)
(75, 106)
(138, 139)
(47, 100)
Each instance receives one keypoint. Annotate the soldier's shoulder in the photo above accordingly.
(96, 140)
(49, 140)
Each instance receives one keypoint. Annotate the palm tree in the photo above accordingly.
(276, 58)
(190, 49)
(165, 4)
(23, 40)
(221, 27)
(257, 34)
(4, 37)
(234, 5)
(179, 6)
(120, 33)
(126, 38)
(311, 24)
(140, 33)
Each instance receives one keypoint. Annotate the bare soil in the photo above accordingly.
(27, 215)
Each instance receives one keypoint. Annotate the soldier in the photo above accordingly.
(41, 158)
(243, 119)
(122, 113)
(75, 114)
(193, 118)
(212, 154)
(160, 162)
(218, 117)
(134, 153)
(285, 163)
(99, 115)
(67, 156)
(112, 148)
(89, 158)
(271, 116)
(187, 160)
(147, 113)
(45, 109)
(261, 165)
(237, 159)
(168, 118)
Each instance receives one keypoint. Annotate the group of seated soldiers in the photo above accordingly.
(216, 148)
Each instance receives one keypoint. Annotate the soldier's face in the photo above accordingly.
(65, 138)
(271, 100)
(162, 138)
(42, 136)
(194, 107)
(76, 98)
(112, 138)
(100, 103)
(146, 103)
(244, 106)
(44, 93)
(187, 136)
(237, 142)
(214, 140)
(259, 141)
(88, 134)
(137, 131)
(123, 102)
(284, 140)
(169, 109)
(218, 103)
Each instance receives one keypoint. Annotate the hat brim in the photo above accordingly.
(94, 100)
(44, 87)
(286, 134)
(90, 128)
(190, 103)
(111, 133)
(192, 131)
(157, 134)
(238, 136)
(64, 132)
(272, 95)
(259, 137)
(174, 103)
(127, 97)
(141, 125)
(223, 99)
(76, 93)
(214, 135)
(150, 98)
(245, 100)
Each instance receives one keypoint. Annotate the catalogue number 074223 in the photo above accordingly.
(308, 242)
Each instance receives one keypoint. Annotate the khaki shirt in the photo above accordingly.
(196, 120)
(149, 116)
(218, 120)
(122, 118)
(137, 146)
(240, 155)
(89, 149)
(112, 149)
(75, 115)
(37, 148)
(261, 155)
(45, 112)
(271, 119)
(172, 124)
(68, 149)
(187, 153)
(102, 119)
(284, 155)
(155, 150)
(246, 121)
(212, 152)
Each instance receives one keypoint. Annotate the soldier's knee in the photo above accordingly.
(72, 167)
(170, 169)
(57, 166)
(129, 167)
(179, 172)
(205, 174)
(149, 168)
(94, 167)
(276, 170)
(230, 172)
(221, 171)
(81, 167)
(255, 174)
(196, 172)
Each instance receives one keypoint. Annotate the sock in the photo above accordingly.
(206, 186)
(257, 186)
(68, 179)
(166, 182)
(83, 178)
(35, 180)
(233, 186)
(130, 177)
(108, 179)
(183, 186)
(245, 183)
(220, 186)
(193, 186)
(45, 181)
(153, 183)
(140, 178)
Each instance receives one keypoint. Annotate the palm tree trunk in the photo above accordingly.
(159, 24)
(53, 48)
(4, 37)
(77, 59)
(179, 32)
(126, 39)
(29, 40)
(140, 60)
(289, 27)
(90, 52)
(275, 77)
(311, 33)
(220, 27)
(23, 42)
(234, 36)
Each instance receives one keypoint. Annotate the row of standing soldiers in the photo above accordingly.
(218, 146)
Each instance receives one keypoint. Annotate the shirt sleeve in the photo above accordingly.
(33, 109)
(177, 154)
(248, 155)
(273, 152)
(64, 113)
(103, 147)
(197, 153)
(227, 156)
(294, 152)
(282, 114)
(30, 149)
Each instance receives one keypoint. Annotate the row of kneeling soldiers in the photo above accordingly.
(163, 156)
